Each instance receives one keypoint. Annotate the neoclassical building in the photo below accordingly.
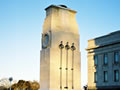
(104, 62)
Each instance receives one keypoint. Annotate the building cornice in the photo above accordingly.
(103, 45)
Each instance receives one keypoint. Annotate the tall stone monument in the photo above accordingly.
(60, 54)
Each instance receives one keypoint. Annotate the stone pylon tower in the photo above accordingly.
(60, 54)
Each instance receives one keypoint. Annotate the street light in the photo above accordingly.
(10, 79)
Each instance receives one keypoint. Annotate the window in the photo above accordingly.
(116, 75)
(105, 76)
(95, 77)
(105, 59)
(95, 60)
(116, 57)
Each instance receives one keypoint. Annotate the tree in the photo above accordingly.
(20, 84)
(35, 85)
(26, 85)
(4, 82)
(14, 86)
(3, 88)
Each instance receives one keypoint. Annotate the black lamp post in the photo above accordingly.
(10, 79)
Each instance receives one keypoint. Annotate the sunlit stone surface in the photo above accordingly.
(60, 66)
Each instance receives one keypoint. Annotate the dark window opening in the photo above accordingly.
(105, 76)
(116, 58)
(95, 77)
(105, 59)
(116, 75)
(95, 60)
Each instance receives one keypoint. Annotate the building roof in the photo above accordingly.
(62, 7)
(109, 39)
(109, 34)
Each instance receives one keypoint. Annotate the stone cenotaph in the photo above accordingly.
(60, 55)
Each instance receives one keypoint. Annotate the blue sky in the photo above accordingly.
(21, 27)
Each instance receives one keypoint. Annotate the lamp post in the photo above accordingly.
(10, 79)
(73, 49)
(61, 46)
(67, 47)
